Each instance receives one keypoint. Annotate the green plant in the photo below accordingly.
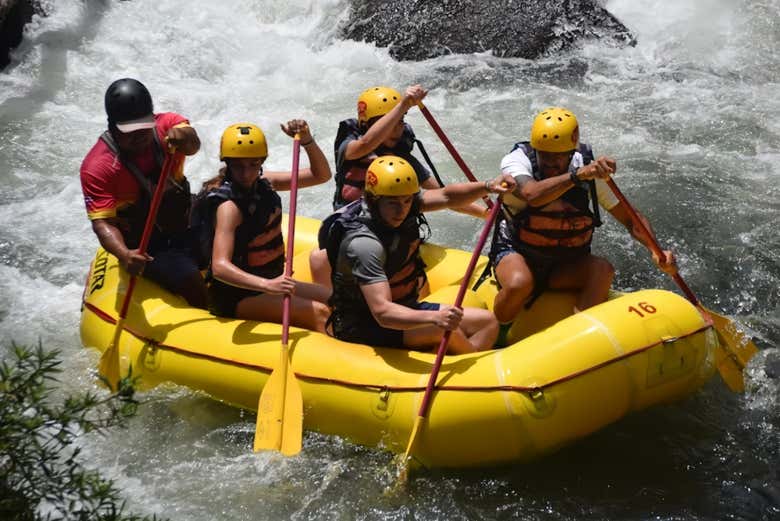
(41, 475)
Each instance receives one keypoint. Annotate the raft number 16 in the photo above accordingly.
(643, 306)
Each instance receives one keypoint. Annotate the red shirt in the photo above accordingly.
(108, 186)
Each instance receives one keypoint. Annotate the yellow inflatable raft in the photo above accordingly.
(563, 378)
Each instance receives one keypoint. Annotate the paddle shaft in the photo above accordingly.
(280, 407)
(654, 246)
(148, 228)
(290, 236)
(109, 361)
(425, 404)
(448, 145)
(737, 348)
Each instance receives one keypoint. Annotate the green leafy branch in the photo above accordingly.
(41, 475)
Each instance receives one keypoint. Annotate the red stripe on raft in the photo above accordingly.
(510, 388)
(100, 313)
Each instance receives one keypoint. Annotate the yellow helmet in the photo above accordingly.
(377, 101)
(555, 129)
(391, 176)
(243, 140)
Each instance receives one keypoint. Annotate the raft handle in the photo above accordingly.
(536, 394)
(384, 398)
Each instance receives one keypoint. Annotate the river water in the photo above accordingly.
(691, 114)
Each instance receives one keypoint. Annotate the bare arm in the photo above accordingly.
(668, 264)
(472, 209)
(318, 173)
(113, 241)
(184, 139)
(480, 211)
(382, 129)
(540, 193)
(227, 220)
(395, 316)
(460, 194)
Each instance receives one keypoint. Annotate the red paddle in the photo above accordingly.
(448, 145)
(736, 348)
(428, 396)
(108, 366)
(280, 408)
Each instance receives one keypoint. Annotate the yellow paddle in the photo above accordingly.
(280, 409)
(108, 366)
(735, 349)
(403, 470)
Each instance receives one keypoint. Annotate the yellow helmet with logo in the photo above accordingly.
(555, 129)
(376, 101)
(243, 140)
(391, 176)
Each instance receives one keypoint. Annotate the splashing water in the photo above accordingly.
(689, 113)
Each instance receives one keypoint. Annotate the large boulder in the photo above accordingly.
(420, 29)
(14, 15)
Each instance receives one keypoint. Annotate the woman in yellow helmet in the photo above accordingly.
(247, 260)
(379, 129)
(543, 241)
(378, 277)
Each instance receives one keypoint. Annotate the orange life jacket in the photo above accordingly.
(404, 267)
(259, 247)
(567, 222)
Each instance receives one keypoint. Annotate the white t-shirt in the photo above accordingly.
(517, 164)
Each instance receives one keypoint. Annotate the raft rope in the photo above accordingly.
(531, 390)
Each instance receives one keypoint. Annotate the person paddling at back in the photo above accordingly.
(543, 238)
(378, 130)
(378, 275)
(118, 178)
(247, 261)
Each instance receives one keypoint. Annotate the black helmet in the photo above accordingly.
(129, 105)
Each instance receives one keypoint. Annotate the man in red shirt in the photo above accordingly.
(118, 178)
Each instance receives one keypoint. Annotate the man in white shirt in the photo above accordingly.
(543, 237)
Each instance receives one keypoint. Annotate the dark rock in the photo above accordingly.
(420, 29)
(14, 15)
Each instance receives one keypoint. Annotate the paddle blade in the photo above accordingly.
(292, 428)
(280, 415)
(728, 369)
(403, 463)
(736, 350)
(108, 367)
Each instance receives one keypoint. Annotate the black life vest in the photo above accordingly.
(404, 267)
(564, 226)
(173, 213)
(259, 247)
(351, 174)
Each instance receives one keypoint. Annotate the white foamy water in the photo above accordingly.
(690, 113)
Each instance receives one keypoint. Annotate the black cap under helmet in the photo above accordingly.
(127, 99)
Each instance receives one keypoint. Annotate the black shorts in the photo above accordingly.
(223, 298)
(173, 268)
(369, 332)
(541, 261)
